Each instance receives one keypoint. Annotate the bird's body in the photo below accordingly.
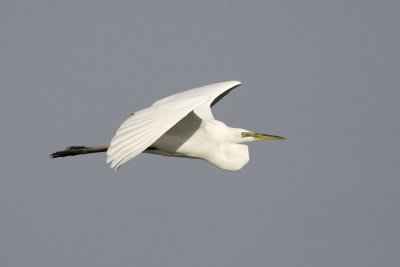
(202, 139)
(181, 125)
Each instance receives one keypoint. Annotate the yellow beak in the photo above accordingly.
(261, 136)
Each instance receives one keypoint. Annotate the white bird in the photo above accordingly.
(180, 125)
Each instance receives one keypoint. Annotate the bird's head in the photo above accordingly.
(248, 136)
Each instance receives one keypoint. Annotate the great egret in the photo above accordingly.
(180, 125)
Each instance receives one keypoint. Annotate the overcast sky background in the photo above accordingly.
(324, 74)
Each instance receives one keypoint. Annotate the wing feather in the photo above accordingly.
(126, 138)
(143, 128)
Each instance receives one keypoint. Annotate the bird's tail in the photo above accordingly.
(78, 150)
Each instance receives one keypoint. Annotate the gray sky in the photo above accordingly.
(324, 74)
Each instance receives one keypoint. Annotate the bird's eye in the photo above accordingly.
(243, 134)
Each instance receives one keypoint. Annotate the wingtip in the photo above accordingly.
(113, 164)
(233, 83)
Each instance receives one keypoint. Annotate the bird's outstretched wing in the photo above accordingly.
(145, 126)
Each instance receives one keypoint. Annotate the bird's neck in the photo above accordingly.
(231, 157)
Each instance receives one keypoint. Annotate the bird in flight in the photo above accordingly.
(180, 125)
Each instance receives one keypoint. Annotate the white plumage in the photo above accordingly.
(182, 125)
